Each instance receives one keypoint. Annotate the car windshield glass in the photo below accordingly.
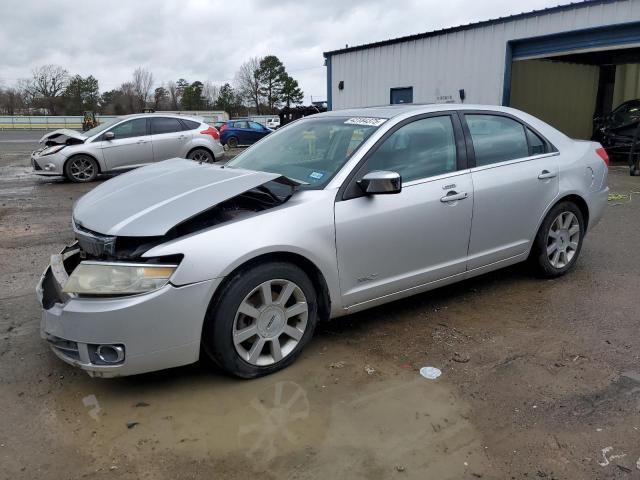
(310, 150)
(101, 128)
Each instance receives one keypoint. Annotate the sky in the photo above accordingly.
(208, 40)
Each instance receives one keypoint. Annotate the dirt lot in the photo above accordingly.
(540, 378)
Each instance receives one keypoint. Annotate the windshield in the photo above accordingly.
(101, 128)
(310, 150)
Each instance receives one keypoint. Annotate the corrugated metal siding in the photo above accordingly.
(437, 67)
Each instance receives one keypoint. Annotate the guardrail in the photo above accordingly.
(74, 122)
(28, 122)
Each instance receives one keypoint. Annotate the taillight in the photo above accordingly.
(211, 131)
(223, 127)
(602, 153)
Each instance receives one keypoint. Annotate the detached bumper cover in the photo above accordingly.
(158, 330)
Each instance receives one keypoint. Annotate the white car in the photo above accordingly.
(124, 143)
(273, 123)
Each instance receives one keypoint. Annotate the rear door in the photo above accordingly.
(256, 131)
(130, 147)
(169, 139)
(242, 132)
(515, 178)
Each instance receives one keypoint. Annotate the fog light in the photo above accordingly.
(49, 166)
(110, 353)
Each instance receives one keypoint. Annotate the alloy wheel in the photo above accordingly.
(270, 322)
(82, 169)
(201, 156)
(563, 239)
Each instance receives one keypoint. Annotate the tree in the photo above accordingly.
(142, 82)
(48, 83)
(248, 82)
(11, 100)
(192, 96)
(173, 95)
(291, 92)
(210, 94)
(271, 76)
(81, 94)
(228, 100)
(129, 97)
(160, 98)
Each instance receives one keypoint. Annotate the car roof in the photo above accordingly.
(390, 111)
(161, 114)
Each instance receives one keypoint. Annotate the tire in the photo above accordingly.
(201, 155)
(266, 328)
(558, 242)
(81, 169)
(232, 142)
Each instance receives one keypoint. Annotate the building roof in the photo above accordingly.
(470, 26)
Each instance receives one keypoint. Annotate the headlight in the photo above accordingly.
(102, 278)
(50, 150)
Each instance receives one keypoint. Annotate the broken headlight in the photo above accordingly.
(50, 150)
(105, 278)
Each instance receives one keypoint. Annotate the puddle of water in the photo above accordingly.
(373, 425)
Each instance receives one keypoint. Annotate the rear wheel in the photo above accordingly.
(262, 320)
(559, 240)
(232, 142)
(81, 169)
(201, 155)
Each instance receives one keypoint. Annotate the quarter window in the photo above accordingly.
(165, 125)
(496, 138)
(420, 149)
(255, 126)
(536, 144)
(132, 128)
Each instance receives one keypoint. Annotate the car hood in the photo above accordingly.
(63, 132)
(149, 201)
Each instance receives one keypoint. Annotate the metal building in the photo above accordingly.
(564, 64)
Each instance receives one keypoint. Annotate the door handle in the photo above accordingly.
(454, 196)
(545, 174)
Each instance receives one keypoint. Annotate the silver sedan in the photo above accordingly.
(330, 215)
(124, 143)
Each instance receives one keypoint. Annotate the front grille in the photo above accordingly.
(94, 244)
(65, 347)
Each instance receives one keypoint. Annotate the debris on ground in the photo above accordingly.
(460, 357)
(430, 373)
(400, 468)
(141, 404)
(369, 370)
(336, 365)
(130, 425)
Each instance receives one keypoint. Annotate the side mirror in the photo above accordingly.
(381, 182)
(109, 136)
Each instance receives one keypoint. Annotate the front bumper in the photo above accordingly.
(156, 330)
(48, 164)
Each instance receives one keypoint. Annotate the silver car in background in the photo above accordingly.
(331, 214)
(123, 143)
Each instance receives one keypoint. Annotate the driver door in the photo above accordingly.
(131, 146)
(388, 244)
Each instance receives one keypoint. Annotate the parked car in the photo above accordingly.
(619, 133)
(330, 215)
(237, 133)
(273, 123)
(124, 143)
(218, 125)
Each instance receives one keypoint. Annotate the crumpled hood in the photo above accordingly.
(149, 201)
(63, 132)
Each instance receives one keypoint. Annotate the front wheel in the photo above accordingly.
(232, 142)
(559, 240)
(261, 321)
(81, 169)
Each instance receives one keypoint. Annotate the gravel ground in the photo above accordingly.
(540, 378)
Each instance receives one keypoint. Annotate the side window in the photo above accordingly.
(496, 138)
(255, 126)
(420, 149)
(241, 125)
(132, 128)
(165, 125)
(189, 124)
(536, 144)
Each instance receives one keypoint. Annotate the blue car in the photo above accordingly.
(242, 132)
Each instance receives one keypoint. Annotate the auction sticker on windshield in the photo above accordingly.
(369, 121)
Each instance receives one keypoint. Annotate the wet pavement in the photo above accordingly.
(540, 379)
